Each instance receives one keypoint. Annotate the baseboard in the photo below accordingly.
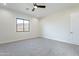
(61, 41)
(39, 37)
(12, 41)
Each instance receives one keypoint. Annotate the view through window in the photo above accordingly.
(22, 25)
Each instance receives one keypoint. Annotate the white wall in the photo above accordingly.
(8, 26)
(58, 26)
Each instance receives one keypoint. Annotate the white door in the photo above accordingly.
(75, 27)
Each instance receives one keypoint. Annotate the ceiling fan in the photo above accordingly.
(37, 6)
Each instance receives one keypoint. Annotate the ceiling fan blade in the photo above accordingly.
(34, 4)
(40, 6)
(33, 9)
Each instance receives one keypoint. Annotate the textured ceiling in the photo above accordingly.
(26, 8)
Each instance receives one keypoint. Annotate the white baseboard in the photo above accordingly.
(16, 40)
(62, 40)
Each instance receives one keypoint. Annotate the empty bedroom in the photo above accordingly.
(39, 29)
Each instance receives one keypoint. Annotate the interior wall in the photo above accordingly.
(58, 26)
(8, 26)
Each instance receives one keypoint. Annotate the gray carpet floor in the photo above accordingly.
(38, 47)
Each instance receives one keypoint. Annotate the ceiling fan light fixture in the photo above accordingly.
(35, 7)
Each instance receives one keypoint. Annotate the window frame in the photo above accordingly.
(23, 25)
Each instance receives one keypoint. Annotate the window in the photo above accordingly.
(22, 25)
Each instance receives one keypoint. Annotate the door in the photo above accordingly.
(75, 27)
